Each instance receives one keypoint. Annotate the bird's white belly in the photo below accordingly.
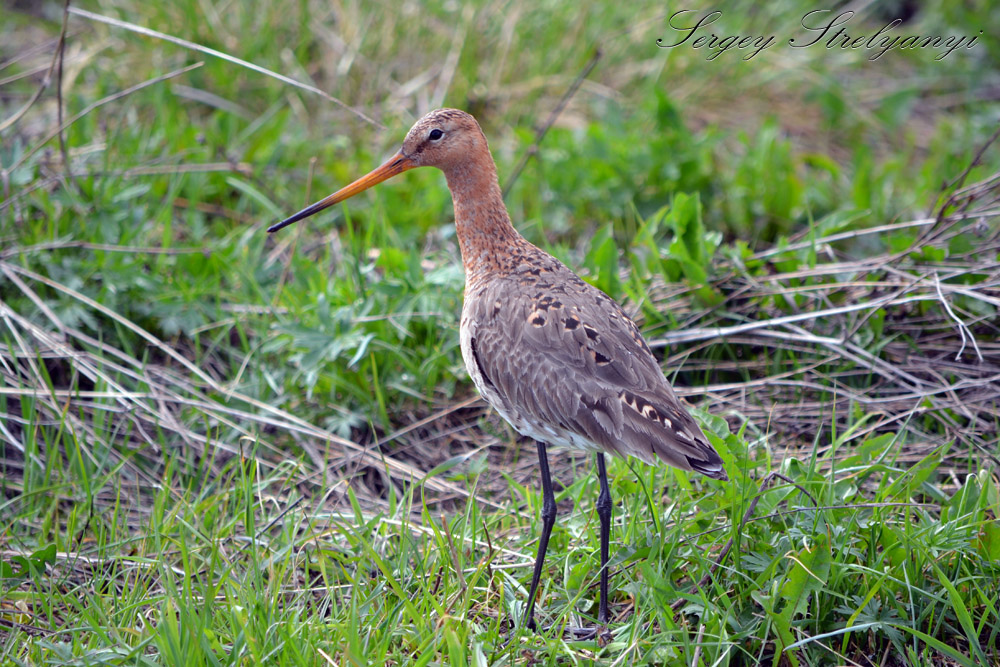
(555, 436)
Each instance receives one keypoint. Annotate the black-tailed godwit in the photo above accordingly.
(555, 356)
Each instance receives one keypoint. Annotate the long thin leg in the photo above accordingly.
(604, 513)
(548, 520)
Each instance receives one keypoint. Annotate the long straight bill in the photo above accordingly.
(397, 164)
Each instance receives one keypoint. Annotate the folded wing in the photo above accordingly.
(561, 353)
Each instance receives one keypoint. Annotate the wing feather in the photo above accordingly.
(558, 352)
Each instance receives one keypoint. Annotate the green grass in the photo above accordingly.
(223, 447)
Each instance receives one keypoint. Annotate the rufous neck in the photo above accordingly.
(485, 233)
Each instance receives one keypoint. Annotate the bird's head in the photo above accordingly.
(444, 138)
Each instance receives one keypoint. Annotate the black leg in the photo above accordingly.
(548, 520)
(604, 514)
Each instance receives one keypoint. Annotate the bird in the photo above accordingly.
(556, 357)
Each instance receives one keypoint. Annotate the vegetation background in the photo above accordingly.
(221, 447)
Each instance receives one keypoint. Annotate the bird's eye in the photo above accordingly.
(435, 134)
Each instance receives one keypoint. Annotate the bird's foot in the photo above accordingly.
(601, 633)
